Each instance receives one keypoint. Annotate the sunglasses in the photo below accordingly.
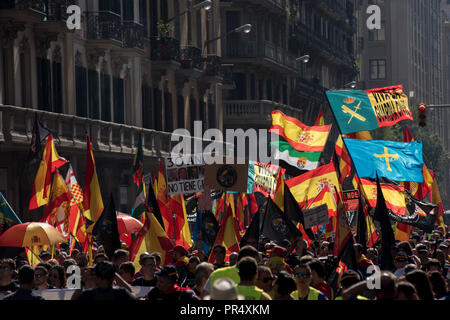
(303, 275)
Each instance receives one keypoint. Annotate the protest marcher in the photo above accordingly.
(276, 261)
(224, 289)
(45, 256)
(99, 257)
(406, 291)
(422, 284)
(400, 261)
(105, 274)
(233, 258)
(126, 271)
(167, 289)
(372, 255)
(438, 284)
(148, 278)
(88, 278)
(231, 272)
(248, 271)
(284, 286)
(158, 258)
(346, 280)
(7, 270)
(362, 261)
(41, 278)
(26, 280)
(318, 278)
(265, 280)
(194, 261)
(202, 273)
(180, 261)
(57, 277)
(303, 280)
(140, 273)
(120, 256)
(387, 291)
(422, 253)
(219, 256)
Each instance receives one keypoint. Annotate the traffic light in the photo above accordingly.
(422, 115)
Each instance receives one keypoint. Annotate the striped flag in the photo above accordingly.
(8, 217)
(320, 121)
(57, 211)
(163, 199)
(228, 236)
(49, 163)
(76, 220)
(298, 159)
(179, 229)
(92, 197)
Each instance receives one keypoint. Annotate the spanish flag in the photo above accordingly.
(163, 199)
(436, 199)
(307, 186)
(402, 231)
(299, 135)
(58, 210)
(92, 197)
(345, 165)
(393, 194)
(240, 212)
(151, 238)
(49, 163)
(180, 228)
(228, 235)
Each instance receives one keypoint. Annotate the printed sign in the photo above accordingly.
(185, 174)
(266, 177)
(227, 177)
(315, 216)
(351, 200)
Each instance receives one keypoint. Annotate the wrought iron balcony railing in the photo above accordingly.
(191, 57)
(165, 48)
(213, 65)
(107, 25)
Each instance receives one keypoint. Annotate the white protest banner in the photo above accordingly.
(55, 294)
(185, 174)
(315, 216)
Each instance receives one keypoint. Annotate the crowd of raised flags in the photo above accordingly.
(392, 180)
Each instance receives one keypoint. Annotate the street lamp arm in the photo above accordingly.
(244, 28)
(178, 15)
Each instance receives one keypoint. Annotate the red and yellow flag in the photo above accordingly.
(92, 197)
(307, 186)
(320, 121)
(345, 164)
(49, 163)
(180, 229)
(240, 212)
(57, 211)
(300, 136)
(151, 238)
(228, 235)
(402, 231)
(342, 228)
(163, 199)
(393, 194)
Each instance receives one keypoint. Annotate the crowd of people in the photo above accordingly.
(261, 270)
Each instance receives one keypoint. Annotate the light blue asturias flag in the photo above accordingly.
(397, 161)
(352, 110)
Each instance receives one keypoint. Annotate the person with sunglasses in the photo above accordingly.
(400, 262)
(303, 280)
(265, 280)
(219, 256)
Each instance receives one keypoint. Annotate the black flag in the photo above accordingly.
(209, 227)
(294, 212)
(106, 231)
(277, 226)
(361, 236)
(152, 204)
(40, 133)
(253, 231)
(387, 233)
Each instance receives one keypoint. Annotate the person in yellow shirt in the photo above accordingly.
(248, 271)
(303, 280)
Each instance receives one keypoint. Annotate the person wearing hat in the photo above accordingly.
(180, 260)
(422, 253)
(105, 274)
(400, 261)
(167, 288)
(276, 261)
(224, 289)
(248, 270)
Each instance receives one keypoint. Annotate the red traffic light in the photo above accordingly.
(422, 107)
(422, 115)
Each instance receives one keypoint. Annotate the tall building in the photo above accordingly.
(122, 73)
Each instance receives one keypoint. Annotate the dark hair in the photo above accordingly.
(422, 284)
(406, 247)
(220, 246)
(285, 283)
(306, 259)
(407, 289)
(105, 270)
(10, 262)
(40, 267)
(128, 267)
(156, 255)
(317, 266)
(101, 255)
(61, 274)
(26, 274)
(248, 268)
(438, 284)
(359, 247)
(194, 258)
(248, 251)
(119, 253)
(349, 278)
(46, 265)
(433, 263)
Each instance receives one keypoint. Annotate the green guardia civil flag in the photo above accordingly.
(301, 160)
(8, 217)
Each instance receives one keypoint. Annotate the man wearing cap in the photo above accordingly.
(224, 289)
(167, 289)
(400, 261)
(422, 253)
(180, 260)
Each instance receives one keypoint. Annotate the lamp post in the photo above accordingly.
(351, 85)
(304, 59)
(246, 28)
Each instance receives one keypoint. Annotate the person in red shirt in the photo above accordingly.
(318, 278)
(363, 262)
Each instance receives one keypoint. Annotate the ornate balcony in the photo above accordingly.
(191, 57)
(16, 125)
(255, 113)
(133, 35)
(103, 25)
(165, 49)
(212, 66)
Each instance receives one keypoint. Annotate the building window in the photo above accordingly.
(377, 69)
(378, 34)
(81, 91)
(180, 111)
(106, 97)
(93, 94)
(57, 87)
(124, 198)
(118, 100)
(44, 84)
